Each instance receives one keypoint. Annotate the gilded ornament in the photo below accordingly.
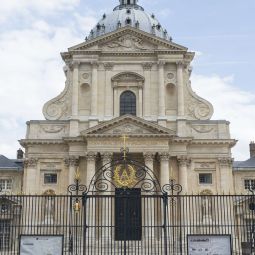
(124, 176)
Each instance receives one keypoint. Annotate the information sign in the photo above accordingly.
(209, 245)
(41, 245)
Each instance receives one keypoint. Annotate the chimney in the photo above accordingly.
(20, 154)
(252, 149)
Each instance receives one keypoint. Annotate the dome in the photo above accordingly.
(128, 13)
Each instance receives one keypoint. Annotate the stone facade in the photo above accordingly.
(172, 127)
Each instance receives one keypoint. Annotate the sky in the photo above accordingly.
(34, 32)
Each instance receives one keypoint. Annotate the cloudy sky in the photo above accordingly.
(34, 32)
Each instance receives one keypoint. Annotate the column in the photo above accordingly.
(180, 86)
(91, 167)
(108, 105)
(184, 162)
(150, 210)
(116, 100)
(74, 124)
(31, 182)
(140, 100)
(107, 202)
(147, 90)
(72, 163)
(75, 93)
(94, 90)
(164, 168)
(92, 203)
(161, 80)
(226, 177)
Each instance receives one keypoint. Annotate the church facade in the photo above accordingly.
(128, 78)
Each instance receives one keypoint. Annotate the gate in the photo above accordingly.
(125, 211)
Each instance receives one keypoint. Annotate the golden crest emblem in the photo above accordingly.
(124, 176)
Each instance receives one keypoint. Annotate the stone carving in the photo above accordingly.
(72, 161)
(128, 129)
(31, 162)
(170, 76)
(164, 156)
(147, 66)
(128, 77)
(205, 165)
(91, 156)
(85, 76)
(106, 157)
(184, 161)
(203, 128)
(60, 106)
(127, 42)
(197, 107)
(52, 128)
(108, 66)
(225, 161)
(148, 156)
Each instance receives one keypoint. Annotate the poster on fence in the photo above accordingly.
(41, 245)
(209, 245)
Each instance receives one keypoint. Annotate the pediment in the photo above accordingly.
(127, 39)
(129, 125)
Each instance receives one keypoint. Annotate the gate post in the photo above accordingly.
(165, 198)
(84, 204)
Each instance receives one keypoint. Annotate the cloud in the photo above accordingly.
(230, 103)
(9, 8)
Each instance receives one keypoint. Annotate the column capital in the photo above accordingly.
(164, 156)
(106, 156)
(91, 156)
(225, 161)
(76, 63)
(94, 64)
(30, 162)
(108, 66)
(147, 66)
(149, 156)
(184, 160)
(161, 63)
(72, 161)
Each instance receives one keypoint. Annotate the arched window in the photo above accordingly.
(127, 103)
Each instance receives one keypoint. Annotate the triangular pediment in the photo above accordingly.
(129, 125)
(128, 39)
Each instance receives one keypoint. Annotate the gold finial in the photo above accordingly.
(77, 174)
(124, 137)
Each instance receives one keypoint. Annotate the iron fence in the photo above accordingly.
(127, 222)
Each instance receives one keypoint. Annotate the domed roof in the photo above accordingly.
(128, 13)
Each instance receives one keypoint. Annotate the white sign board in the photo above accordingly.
(41, 245)
(209, 245)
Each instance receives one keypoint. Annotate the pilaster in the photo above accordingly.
(108, 91)
(164, 168)
(31, 179)
(184, 163)
(147, 90)
(161, 93)
(94, 95)
(180, 87)
(72, 163)
(91, 166)
(226, 177)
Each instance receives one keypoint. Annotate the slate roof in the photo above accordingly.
(8, 164)
(243, 165)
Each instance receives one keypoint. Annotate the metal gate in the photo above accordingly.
(125, 211)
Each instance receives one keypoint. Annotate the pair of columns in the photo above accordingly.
(164, 158)
(162, 89)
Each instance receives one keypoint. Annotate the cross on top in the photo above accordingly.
(124, 137)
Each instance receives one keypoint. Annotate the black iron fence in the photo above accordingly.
(127, 221)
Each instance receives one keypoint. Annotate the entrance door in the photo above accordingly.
(128, 215)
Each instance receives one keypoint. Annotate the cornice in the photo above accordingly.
(130, 135)
(230, 142)
(25, 142)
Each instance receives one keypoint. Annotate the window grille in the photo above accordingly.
(50, 178)
(127, 103)
(249, 184)
(205, 178)
(5, 184)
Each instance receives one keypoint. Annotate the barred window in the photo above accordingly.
(5, 227)
(249, 184)
(127, 103)
(205, 178)
(50, 178)
(5, 184)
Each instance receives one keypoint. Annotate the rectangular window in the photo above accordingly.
(205, 178)
(5, 227)
(50, 178)
(249, 184)
(5, 184)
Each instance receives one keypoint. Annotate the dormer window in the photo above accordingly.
(158, 26)
(137, 24)
(128, 11)
(98, 26)
(127, 103)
